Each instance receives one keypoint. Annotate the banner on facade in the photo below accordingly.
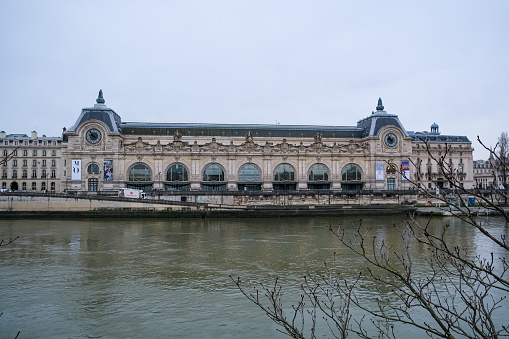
(108, 169)
(379, 170)
(76, 170)
(405, 170)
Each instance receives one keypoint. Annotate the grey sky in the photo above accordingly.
(294, 62)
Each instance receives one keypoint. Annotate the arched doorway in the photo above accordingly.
(14, 186)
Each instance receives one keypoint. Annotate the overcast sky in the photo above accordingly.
(291, 62)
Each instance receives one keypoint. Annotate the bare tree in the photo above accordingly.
(462, 294)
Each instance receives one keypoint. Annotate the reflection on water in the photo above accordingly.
(169, 278)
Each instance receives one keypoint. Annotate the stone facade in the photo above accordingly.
(30, 163)
(109, 154)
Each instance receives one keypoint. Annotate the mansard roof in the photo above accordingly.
(378, 119)
(99, 112)
(432, 137)
(234, 130)
(23, 137)
(369, 126)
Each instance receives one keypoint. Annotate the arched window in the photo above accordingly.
(93, 169)
(140, 172)
(177, 178)
(250, 178)
(391, 169)
(177, 172)
(213, 178)
(140, 177)
(284, 172)
(318, 177)
(213, 172)
(284, 178)
(351, 177)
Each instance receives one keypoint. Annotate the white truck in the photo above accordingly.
(131, 193)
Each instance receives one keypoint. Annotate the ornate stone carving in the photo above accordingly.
(139, 147)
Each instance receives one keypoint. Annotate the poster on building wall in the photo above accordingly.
(108, 169)
(76, 170)
(405, 170)
(379, 170)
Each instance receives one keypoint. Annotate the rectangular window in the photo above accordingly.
(34, 163)
(34, 174)
(43, 175)
(24, 186)
(34, 152)
(391, 184)
(15, 153)
(52, 186)
(4, 174)
(14, 174)
(44, 163)
(4, 185)
(34, 186)
(93, 184)
(43, 186)
(15, 143)
(25, 174)
(15, 163)
(53, 153)
(54, 143)
(25, 152)
(53, 163)
(25, 163)
(44, 153)
(26, 143)
(6, 143)
(45, 143)
(53, 174)
(5, 152)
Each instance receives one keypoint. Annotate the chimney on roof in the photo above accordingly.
(2, 134)
(34, 135)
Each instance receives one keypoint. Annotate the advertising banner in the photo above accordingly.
(405, 170)
(108, 169)
(76, 170)
(379, 170)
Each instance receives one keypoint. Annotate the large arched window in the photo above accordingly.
(140, 177)
(284, 178)
(177, 178)
(351, 177)
(213, 178)
(318, 177)
(250, 178)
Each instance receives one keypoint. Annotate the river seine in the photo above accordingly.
(149, 278)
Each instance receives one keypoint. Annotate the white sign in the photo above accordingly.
(76, 170)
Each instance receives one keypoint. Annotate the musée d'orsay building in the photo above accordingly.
(100, 152)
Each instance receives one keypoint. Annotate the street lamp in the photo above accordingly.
(159, 195)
